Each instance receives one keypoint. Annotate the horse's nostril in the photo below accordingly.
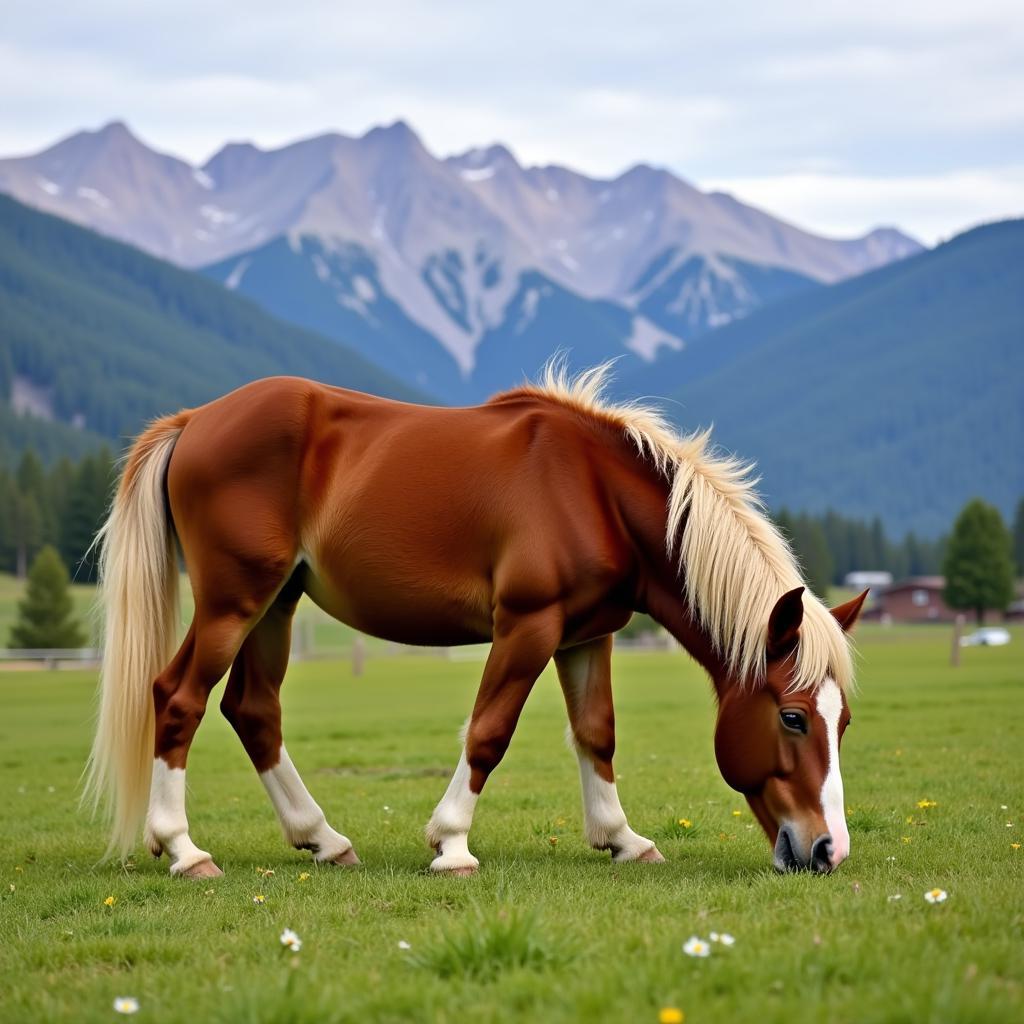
(821, 854)
(785, 853)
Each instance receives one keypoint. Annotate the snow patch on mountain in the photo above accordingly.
(234, 279)
(648, 339)
(94, 195)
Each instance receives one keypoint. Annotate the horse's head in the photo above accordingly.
(779, 747)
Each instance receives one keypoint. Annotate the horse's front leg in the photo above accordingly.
(522, 646)
(585, 673)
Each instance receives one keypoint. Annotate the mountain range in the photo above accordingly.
(97, 337)
(869, 376)
(456, 275)
(898, 393)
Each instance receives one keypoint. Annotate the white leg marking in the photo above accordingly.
(302, 821)
(166, 823)
(449, 825)
(604, 820)
(830, 707)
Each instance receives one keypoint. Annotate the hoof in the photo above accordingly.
(460, 866)
(651, 856)
(204, 869)
(460, 871)
(348, 859)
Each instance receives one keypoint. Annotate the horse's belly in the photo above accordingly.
(417, 613)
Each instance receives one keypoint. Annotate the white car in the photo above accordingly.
(989, 636)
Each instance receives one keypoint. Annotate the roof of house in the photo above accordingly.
(917, 583)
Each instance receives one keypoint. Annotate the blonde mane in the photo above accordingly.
(735, 563)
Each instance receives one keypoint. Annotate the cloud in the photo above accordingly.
(870, 92)
(930, 207)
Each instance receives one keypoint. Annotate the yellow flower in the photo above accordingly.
(926, 803)
(12, 887)
(304, 877)
(1013, 846)
(259, 899)
(671, 1015)
(736, 814)
(686, 823)
(906, 839)
(110, 901)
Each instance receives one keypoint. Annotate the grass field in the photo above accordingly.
(548, 931)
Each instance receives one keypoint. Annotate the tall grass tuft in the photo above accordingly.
(484, 944)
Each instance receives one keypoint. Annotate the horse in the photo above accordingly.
(539, 521)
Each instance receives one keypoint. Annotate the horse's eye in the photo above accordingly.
(794, 721)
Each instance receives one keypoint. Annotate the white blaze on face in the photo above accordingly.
(830, 707)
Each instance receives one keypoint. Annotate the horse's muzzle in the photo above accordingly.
(789, 855)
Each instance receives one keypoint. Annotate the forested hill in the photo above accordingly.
(96, 337)
(899, 393)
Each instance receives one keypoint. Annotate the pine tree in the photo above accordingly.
(1018, 538)
(83, 511)
(45, 613)
(978, 564)
(812, 549)
(26, 530)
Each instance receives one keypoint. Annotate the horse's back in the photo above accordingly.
(407, 515)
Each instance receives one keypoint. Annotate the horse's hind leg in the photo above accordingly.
(180, 694)
(251, 704)
(585, 675)
(232, 593)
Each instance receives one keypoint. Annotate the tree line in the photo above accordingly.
(60, 508)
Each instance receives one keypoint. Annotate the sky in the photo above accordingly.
(837, 116)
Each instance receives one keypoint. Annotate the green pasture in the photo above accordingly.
(320, 631)
(549, 930)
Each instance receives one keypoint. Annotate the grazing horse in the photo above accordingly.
(539, 521)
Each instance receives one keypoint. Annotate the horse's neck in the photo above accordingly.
(644, 505)
(669, 608)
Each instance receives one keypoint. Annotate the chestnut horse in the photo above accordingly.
(539, 521)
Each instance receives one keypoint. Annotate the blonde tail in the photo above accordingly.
(139, 595)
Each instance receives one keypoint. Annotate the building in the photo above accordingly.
(915, 599)
(862, 579)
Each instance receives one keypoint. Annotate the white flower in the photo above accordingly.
(126, 1004)
(402, 944)
(724, 938)
(891, 860)
(291, 940)
(936, 895)
(696, 947)
(896, 896)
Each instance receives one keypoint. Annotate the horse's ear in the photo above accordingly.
(784, 623)
(847, 614)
